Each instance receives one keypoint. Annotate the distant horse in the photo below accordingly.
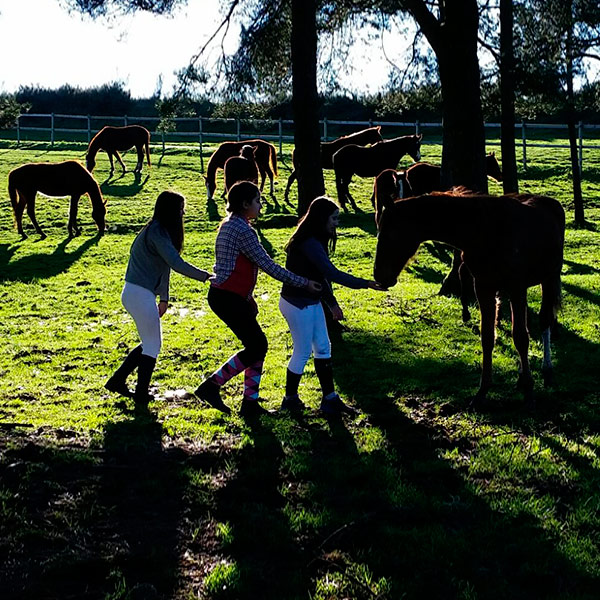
(508, 243)
(242, 167)
(425, 178)
(370, 161)
(112, 139)
(265, 156)
(372, 135)
(68, 178)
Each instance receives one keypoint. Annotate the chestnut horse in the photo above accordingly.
(507, 242)
(242, 167)
(68, 178)
(370, 161)
(265, 156)
(372, 135)
(112, 139)
(423, 178)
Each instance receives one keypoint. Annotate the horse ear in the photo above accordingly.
(378, 128)
(419, 136)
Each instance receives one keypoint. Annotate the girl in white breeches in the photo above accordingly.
(140, 303)
(309, 333)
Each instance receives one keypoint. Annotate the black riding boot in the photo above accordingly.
(145, 370)
(324, 371)
(118, 382)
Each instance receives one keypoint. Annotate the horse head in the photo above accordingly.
(99, 216)
(492, 166)
(248, 152)
(90, 162)
(397, 242)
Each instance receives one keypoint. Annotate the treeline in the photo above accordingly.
(422, 103)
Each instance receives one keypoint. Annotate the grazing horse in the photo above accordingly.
(370, 161)
(509, 243)
(372, 135)
(68, 178)
(112, 139)
(265, 156)
(242, 167)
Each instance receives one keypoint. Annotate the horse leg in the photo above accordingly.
(486, 297)
(351, 199)
(31, 213)
(18, 208)
(451, 284)
(547, 320)
(118, 157)
(72, 226)
(263, 176)
(290, 180)
(466, 288)
(271, 175)
(140, 162)
(112, 165)
(520, 334)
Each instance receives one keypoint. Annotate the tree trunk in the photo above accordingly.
(510, 180)
(571, 120)
(463, 153)
(305, 103)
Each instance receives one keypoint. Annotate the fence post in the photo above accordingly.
(417, 127)
(324, 129)
(580, 147)
(237, 122)
(200, 141)
(89, 128)
(280, 137)
(524, 144)
(162, 135)
(18, 130)
(125, 120)
(52, 130)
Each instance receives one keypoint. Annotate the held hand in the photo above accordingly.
(162, 308)
(211, 277)
(375, 285)
(314, 287)
(337, 313)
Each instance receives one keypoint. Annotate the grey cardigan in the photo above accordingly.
(151, 259)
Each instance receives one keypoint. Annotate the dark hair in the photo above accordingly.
(240, 192)
(167, 211)
(314, 222)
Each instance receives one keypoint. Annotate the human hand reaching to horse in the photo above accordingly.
(375, 285)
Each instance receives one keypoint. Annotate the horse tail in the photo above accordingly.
(147, 145)
(551, 301)
(15, 198)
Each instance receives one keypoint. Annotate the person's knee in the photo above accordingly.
(257, 349)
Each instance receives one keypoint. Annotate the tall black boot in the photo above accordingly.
(324, 371)
(145, 370)
(118, 382)
(291, 401)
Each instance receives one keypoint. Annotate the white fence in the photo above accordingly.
(201, 130)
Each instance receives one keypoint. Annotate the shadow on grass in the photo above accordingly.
(433, 534)
(119, 187)
(41, 266)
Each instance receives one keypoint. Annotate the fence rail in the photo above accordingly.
(201, 129)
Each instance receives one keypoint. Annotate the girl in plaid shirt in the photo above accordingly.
(238, 257)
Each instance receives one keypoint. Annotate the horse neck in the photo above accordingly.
(94, 193)
(93, 147)
(443, 218)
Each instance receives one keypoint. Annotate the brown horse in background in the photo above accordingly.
(265, 156)
(508, 243)
(372, 135)
(370, 161)
(242, 167)
(68, 178)
(115, 139)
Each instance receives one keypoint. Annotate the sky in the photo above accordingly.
(56, 48)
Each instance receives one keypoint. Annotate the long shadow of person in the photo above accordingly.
(142, 486)
(270, 564)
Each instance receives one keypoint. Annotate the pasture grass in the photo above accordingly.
(416, 497)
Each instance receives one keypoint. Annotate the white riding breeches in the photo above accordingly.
(140, 303)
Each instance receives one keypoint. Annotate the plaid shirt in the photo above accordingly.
(239, 255)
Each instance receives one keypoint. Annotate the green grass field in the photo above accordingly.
(417, 497)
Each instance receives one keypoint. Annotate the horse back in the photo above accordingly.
(53, 179)
(424, 178)
(112, 139)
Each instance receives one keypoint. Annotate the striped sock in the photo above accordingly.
(252, 377)
(228, 370)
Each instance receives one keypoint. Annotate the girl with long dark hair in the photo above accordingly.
(154, 252)
(308, 254)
